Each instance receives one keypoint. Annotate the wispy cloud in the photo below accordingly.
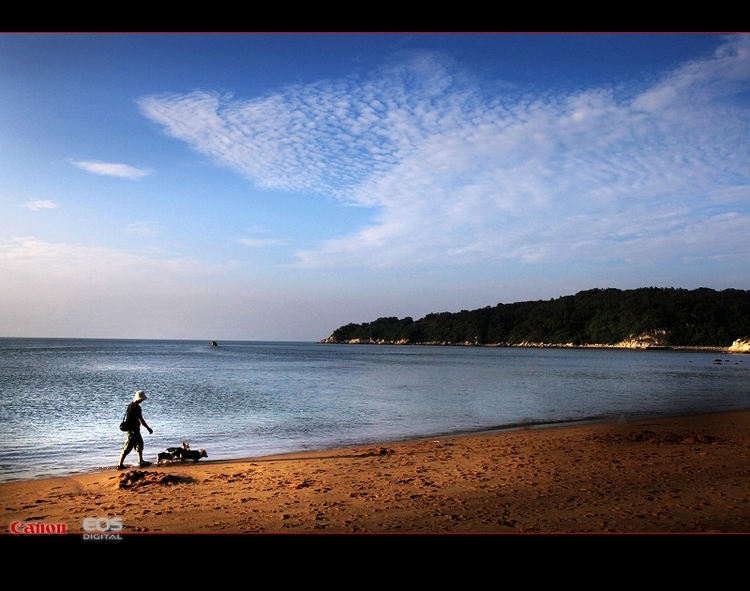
(459, 173)
(142, 228)
(112, 169)
(41, 204)
(64, 289)
(29, 257)
(261, 242)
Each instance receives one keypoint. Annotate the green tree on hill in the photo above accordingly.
(700, 317)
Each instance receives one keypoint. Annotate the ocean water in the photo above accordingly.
(61, 400)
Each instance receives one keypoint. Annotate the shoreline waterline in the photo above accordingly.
(668, 474)
(375, 442)
(731, 350)
(380, 443)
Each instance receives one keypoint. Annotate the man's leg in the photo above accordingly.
(139, 449)
(126, 449)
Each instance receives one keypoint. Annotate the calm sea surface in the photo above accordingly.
(61, 400)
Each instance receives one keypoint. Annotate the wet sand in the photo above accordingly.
(685, 474)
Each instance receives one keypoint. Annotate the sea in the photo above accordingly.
(62, 400)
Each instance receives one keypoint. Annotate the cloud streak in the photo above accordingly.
(261, 242)
(61, 289)
(459, 173)
(32, 257)
(41, 204)
(112, 169)
(142, 228)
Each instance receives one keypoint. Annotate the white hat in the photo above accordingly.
(139, 395)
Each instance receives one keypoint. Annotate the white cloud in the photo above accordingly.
(113, 169)
(66, 290)
(42, 204)
(459, 175)
(260, 242)
(29, 256)
(142, 228)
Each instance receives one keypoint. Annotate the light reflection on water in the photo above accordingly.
(62, 399)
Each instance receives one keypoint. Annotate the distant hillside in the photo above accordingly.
(644, 317)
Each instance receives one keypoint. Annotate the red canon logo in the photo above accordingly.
(19, 527)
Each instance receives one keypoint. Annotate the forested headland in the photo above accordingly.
(639, 318)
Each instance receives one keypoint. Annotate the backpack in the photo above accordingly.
(126, 425)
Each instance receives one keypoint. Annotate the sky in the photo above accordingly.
(277, 187)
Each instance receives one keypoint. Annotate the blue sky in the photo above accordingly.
(276, 187)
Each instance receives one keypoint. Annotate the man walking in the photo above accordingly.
(134, 420)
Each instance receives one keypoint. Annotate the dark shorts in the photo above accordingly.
(134, 440)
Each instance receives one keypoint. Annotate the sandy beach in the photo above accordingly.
(685, 474)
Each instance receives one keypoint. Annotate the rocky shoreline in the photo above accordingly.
(641, 342)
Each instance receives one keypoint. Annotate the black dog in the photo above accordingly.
(172, 453)
(191, 454)
(164, 455)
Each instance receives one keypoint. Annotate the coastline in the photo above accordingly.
(739, 347)
(679, 474)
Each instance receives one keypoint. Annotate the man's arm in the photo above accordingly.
(150, 430)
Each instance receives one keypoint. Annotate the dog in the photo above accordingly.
(178, 451)
(172, 453)
(185, 453)
(164, 456)
(191, 454)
